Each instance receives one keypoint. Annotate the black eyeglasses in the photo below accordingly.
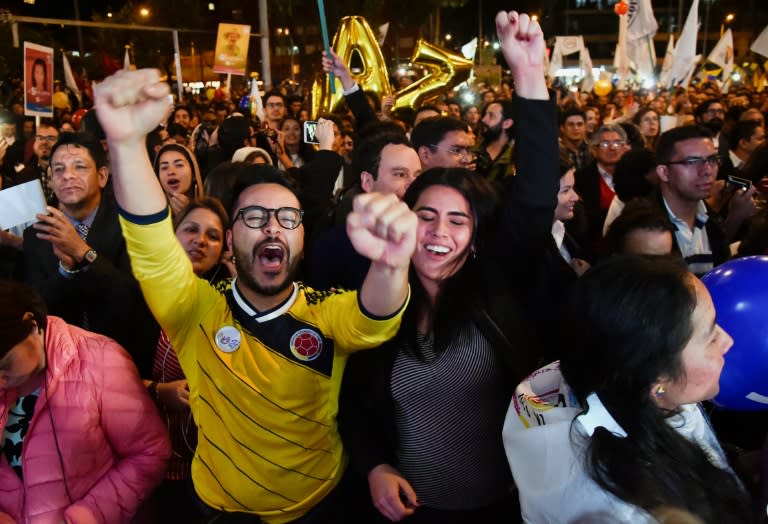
(256, 217)
(697, 161)
(457, 151)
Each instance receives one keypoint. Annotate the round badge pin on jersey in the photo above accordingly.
(228, 339)
(306, 345)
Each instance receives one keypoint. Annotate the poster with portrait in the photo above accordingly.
(231, 49)
(38, 80)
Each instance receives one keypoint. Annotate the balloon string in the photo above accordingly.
(326, 42)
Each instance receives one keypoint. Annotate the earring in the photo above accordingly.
(660, 391)
(474, 253)
(233, 259)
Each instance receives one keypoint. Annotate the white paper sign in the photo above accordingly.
(668, 122)
(20, 204)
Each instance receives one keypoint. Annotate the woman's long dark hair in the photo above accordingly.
(196, 184)
(629, 320)
(463, 292)
(40, 62)
(306, 152)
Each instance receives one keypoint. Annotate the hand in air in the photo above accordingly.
(383, 229)
(130, 104)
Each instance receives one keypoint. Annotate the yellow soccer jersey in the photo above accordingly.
(264, 386)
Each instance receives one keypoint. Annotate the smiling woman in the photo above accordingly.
(422, 415)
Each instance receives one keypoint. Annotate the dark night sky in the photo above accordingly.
(461, 22)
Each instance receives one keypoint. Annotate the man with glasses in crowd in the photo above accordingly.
(274, 109)
(264, 361)
(37, 166)
(594, 184)
(442, 141)
(687, 166)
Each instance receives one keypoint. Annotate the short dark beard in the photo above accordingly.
(492, 133)
(246, 279)
(714, 125)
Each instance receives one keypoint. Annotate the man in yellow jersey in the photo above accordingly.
(264, 360)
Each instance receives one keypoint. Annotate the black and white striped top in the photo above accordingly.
(450, 411)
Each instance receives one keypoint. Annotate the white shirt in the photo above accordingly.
(607, 177)
(614, 210)
(545, 447)
(693, 243)
(558, 233)
(735, 160)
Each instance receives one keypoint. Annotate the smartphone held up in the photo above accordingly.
(310, 132)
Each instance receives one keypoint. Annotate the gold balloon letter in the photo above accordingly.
(354, 36)
(446, 70)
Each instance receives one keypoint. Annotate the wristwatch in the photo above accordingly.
(88, 259)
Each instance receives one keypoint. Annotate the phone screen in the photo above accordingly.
(310, 128)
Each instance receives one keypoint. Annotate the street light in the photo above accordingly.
(144, 12)
(728, 20)
(535, 18)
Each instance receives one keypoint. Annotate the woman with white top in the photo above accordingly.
(615, 426)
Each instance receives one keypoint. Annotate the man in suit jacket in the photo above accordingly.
(746, 137)
(594, 184)
(75, 256)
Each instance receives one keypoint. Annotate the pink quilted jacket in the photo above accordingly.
(112, 442)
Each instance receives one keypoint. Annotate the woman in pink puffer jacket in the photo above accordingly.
(81, 440)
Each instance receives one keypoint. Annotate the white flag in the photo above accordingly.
(564, 46)
(760, 45)
(469, 49)
(688, 76)
(621, 58)
(555, 63)
(641, 21)
(685, 50)
(585, 62)
(383, 30)
(722, 54)
(642, 53)
(256, 98)
(69, 78)
(569, 44)
(666, 65)
(127, 60)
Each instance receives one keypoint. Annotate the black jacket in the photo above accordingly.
(366, 411)
(106, 293)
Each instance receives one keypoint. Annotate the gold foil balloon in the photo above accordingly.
(602, 87)
(445, 69)
(354, 37)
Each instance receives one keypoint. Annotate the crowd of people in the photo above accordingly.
(462, 313)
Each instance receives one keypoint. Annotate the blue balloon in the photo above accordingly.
(739, 290)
